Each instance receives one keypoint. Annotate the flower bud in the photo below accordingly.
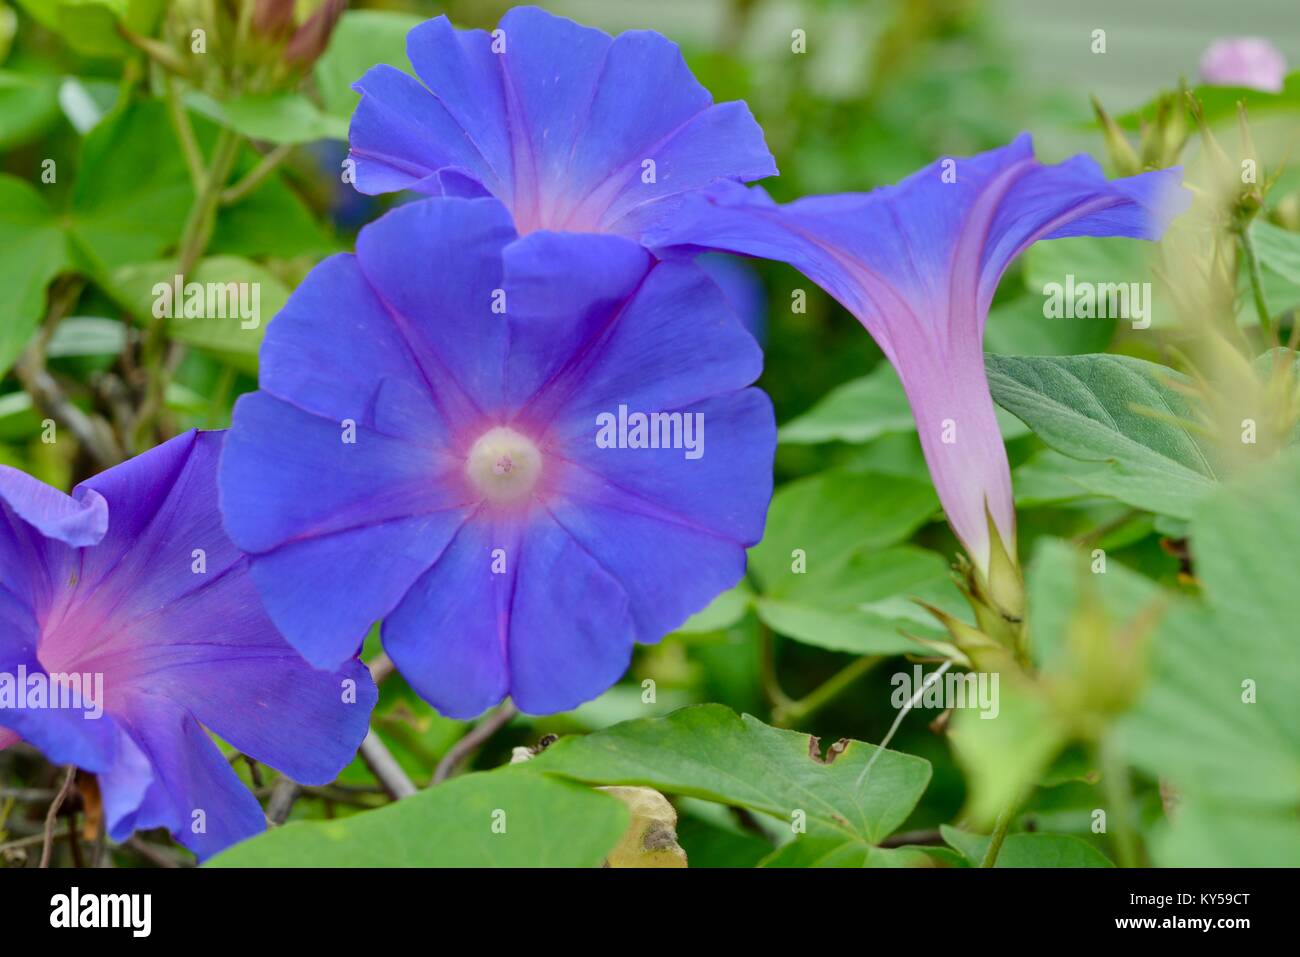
(311, 39)
(273, 19)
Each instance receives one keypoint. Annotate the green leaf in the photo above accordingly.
(18, 419)
(33, 250)
(1048, 478)
(90, 26)
(832, 515)
(723, 612)
(272, 220)
(86, 336)
(132, 192)
(362, 39)
(29, 106)
(236, 335)
(708, 751)
(1057, 574)
(1278, 250)
(857, 411)
(1206, 833)
(1220, 103)
(865, 409)
(1094, 408)
(1020, 328)
(847, 607)
(1028, 850)
(547, 823)
(1220, 718)
(829, 852)
(1097, 261)
(710, 845)
(272, 117)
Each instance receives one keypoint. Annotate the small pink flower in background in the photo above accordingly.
(1244, 61)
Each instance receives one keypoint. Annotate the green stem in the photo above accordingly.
(1256, 277)
(794, 711)
(772, 690)
(1000, 828)
(256, 175)
(1119, 798)
(195, 236)
(184, 132)
(202, 218)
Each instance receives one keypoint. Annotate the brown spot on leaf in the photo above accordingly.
(659, 837)
(833, 752)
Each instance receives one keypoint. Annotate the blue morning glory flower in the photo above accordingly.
(571, 129)
(524, 455)
(917, 264)
(130, 594)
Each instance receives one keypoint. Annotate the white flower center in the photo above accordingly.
(504, 465)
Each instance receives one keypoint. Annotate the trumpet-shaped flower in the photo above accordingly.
(498, 446)
(128, 624)
(571, 129)
(917, 264)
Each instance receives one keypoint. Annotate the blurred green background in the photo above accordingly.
(885, 87)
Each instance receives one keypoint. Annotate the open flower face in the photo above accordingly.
(498, 446)
(571, 129)
(918, 264)
(131, 595)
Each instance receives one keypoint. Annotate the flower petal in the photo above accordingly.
(78, 520)
(652, 339)
(448, 635)
(668, 569)
(402, 136)
(194, 792)
(63, 735)
(287, 475)
(571, 632)
(310, 356)
(566, 292)
(736, 447)
(436, 266)
(558, 121)
(324, 593)
(336, 531)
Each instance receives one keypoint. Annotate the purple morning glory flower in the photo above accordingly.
(917, 264)
(571, 129)
(497, 445)
(131, 593)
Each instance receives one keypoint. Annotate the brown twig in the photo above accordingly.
(381, 666)
(92, 433)
(283, 796)
(385, 768)
(460, 752)
(52, 815)
(158, 856)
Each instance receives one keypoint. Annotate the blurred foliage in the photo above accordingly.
(1136, 701)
